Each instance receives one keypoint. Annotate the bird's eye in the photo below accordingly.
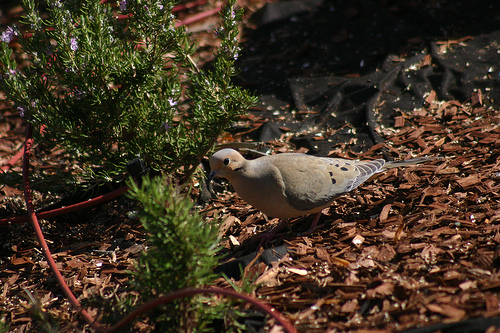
(226, 161)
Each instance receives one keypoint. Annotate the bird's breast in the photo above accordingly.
(265, 192)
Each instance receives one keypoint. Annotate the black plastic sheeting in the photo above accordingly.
(303, 59)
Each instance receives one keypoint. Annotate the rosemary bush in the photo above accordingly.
(108, 89)
(181, 254)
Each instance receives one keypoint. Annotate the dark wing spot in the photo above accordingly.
(331, 174)
(334, 181)
(344, 169)
(337, 165)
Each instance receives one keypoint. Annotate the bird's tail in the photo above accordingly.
(412, 161)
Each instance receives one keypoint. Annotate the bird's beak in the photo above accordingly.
(212, 175)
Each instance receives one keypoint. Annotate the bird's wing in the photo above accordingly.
(311, 182)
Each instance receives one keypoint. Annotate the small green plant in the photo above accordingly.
(108, 90)
(181, 254)
(43, 319)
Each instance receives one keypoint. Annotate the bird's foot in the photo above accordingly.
(314, 225)
(267, 236)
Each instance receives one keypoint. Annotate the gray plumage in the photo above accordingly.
(290, 185)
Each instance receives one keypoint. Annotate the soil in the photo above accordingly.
(413, 249)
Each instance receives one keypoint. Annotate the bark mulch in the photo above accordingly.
(412, 247)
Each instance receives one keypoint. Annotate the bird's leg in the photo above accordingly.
(314, 224)
(267, 236)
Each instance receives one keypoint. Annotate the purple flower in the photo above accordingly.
(167, 127)
(219, 31)
(8, 35)
(78, 93)
(73, 44)
(123, 5)
(21, 111)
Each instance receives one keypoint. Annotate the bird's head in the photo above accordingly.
(225, 163)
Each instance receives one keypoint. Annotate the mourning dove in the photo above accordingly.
(290, 185)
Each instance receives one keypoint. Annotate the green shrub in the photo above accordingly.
(109, 90)
(181, 254)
